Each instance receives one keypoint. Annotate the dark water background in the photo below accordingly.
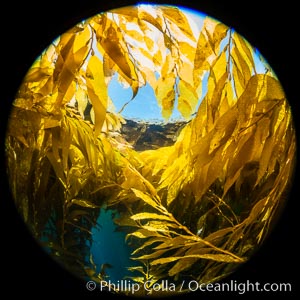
(109, 247)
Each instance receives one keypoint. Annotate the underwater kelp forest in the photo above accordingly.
(156, 133)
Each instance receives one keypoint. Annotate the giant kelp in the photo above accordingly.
(192, 210)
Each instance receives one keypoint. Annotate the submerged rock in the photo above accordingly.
(147, 136)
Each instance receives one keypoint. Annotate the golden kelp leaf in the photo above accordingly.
(47, 58)
(77, 28)
(148, 57)
(273, 88)
(157, 58)
(156, 160)
(97, 91)
(149, 242)
(147, 185)
(203, 52)
(113, 49)
(214, 108)
(84, 203)
(98, 24)
(219, 34)
(178, 18)
(58, 169)
(115, 121)
(37, 74)
(84, 134)
(152, 255)
(168, 66)
(264, 108)
(51, 122)
(143, 216)
(63, 74)
(75, 155)
(84, 138)
(174, 188)
(65, 147)
(142, 234)
(173, 172)
(108, 65)
(242, 160)
(219, 67)
(176, 242)
(238, 80)
(67, 66)
(145, 16)
(181, 265)
(124, 220)
(158, 227)
(245, 47)
(227, 99)
(149, 76)
(187, 50)
(258, 210)
(249, 97)
(132, 179)
(241, 63)
(207, 156)
(270, 144)
(137, 268)
(196, 249)
(75, 182)
(82, 100)
(70, 92)
(131, 11)
(81, 39)
(168, 104)
(137, 234)
(221, 132)
(90, 272)
(56, 143)
(216, 168)
(46, 88)
(215, 87)
(280, 150)
(165, 94)
(214, 257)
(147, 199)
(111, 44)
(136, 35)
(198, 124)
(64, 46)
(199, 182)
(176, 175)
(207, 48)
(187, 100)
(149, 42)
(219, 234)
(186, 72)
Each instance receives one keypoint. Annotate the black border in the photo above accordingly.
(29, 26)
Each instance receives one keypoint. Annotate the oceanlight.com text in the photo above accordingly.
(131, 287)
(239, 287)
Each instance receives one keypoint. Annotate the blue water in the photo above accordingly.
(109, 247)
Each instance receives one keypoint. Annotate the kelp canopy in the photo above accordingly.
(192, 210)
